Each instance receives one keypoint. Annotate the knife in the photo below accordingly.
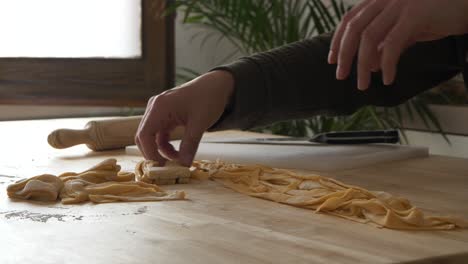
(345, 137)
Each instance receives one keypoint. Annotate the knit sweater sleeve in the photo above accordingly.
(295, 81)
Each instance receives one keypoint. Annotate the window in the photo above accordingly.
(84, 52)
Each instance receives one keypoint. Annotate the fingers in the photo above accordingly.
(165, 147)
(150, 148)
(137, 142)
(350, 42)
(146, 135)
(393, 46)
(337, 37)
(147, 109)
(378, 32)
(190, 142)
(370, 39)
(143, 120)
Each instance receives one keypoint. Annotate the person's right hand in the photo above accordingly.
(196, 105)
(375, 33)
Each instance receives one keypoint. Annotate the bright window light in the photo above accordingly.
(70, 28)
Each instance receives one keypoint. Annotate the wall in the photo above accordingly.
(458, 146)
(190, 53)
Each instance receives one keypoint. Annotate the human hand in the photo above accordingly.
(196, 105)
(379, 31)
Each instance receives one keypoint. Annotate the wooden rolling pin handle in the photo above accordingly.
(98, 135)
(65, 138)
(102, 135)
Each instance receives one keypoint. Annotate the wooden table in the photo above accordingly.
(216, 225)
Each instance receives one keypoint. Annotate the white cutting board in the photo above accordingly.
(317, 157)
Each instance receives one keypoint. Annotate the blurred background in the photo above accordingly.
(76, 58)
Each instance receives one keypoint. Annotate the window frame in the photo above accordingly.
(97, 81)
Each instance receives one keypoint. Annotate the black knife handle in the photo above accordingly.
(358, 137)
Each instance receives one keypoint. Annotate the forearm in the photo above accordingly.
(295, 81)
(284, 83)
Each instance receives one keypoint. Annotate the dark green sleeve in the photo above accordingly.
(295, 81)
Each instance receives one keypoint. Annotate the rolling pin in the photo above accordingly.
(101, 135)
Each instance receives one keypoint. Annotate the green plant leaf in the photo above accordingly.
(259, 25)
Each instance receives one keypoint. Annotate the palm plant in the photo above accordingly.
(259, 25)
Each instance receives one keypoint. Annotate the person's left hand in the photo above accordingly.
(380, 30)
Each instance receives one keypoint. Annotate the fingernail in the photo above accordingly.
(388, 78)
(339, 73)
(385, 80)
(361, 85)
(331, 57)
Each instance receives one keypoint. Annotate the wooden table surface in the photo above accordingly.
(216, 225)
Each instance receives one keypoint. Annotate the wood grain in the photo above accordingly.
(216, 225)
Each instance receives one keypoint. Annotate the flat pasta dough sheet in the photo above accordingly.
(107, 170)
(103, 183)
(324, 195)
